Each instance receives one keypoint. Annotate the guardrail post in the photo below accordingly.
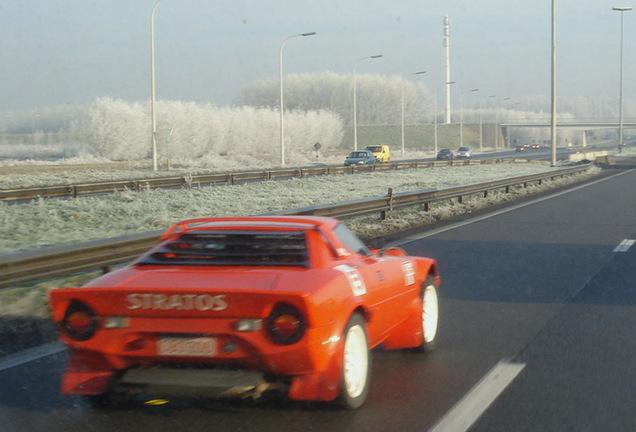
(383, 213)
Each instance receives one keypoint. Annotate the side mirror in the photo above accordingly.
(394, 251)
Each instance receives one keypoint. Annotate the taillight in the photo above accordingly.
(286, 325)
(80, 322)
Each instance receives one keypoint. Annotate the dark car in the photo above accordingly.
(520, 148)
(360, 157)
(445, 154)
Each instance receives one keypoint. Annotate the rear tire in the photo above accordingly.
(356, 364)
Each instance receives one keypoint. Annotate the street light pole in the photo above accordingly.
(481, 131)
(414, 73)
(355, 109)
(620, 97)
(494, 110)
(553, 112)
(153, 119)
(280, 75)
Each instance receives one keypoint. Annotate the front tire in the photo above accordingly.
(356, 364)
(430, 315)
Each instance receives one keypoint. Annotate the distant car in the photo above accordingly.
(445, 154)
(464, 152)
(535, 146)
(382, 152)
(360, 157)
(238, 306)
(520, 148)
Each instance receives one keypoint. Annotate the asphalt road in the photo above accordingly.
(537, 318)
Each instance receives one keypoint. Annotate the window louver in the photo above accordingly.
(232, 248)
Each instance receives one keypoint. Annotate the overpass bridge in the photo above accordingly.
(583, 126)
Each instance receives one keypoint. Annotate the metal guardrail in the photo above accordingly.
(75, 190)
(59, 261)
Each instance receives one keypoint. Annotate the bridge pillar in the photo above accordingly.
(584, 138)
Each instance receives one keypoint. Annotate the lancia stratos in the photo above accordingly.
(241, 306)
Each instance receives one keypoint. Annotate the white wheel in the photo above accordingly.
(430, 315)
(354, 384)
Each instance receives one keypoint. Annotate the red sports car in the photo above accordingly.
(243, 305)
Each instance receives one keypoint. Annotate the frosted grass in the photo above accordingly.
(49, 222)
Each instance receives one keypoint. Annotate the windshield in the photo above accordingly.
(358, 154)
(350, 240)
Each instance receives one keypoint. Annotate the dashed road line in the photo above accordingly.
(476, 401)
(624, 245)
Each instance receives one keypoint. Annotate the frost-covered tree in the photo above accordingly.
(118, 130)
(379, 98)
(188, 131)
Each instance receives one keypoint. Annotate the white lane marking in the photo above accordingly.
(30, 354)
(624, 245)
(476, 401)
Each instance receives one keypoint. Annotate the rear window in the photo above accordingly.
(233, 248)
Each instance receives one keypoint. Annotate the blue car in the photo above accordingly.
(360, 157)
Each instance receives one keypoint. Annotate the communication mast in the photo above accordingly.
(448, 76)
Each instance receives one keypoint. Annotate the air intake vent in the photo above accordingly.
(233, 248)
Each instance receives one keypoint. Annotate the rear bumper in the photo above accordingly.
(310, 369)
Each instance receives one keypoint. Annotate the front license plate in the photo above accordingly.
(183, 346)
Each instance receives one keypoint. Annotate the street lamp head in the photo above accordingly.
(622, 9)
(308, 34)
(376, 56)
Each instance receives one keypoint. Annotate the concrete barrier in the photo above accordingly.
(577, 157)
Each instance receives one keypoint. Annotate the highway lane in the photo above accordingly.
(550, 292)
(528, 285)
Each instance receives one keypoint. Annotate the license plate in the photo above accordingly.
(184, 346)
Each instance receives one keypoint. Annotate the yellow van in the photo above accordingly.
(381, 152)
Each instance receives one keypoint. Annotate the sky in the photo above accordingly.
(58, 52)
